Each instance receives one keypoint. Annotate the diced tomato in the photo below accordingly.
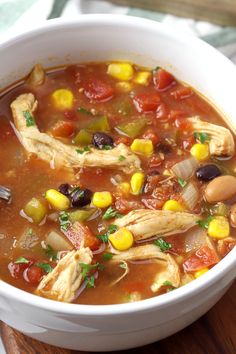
(152, 203)
(125, 205)
(151, 135)
(188, 142)
(147, 101)
(98, 90)
(123, 140)
(70, 114)
(182, 93)
(162, 111)
(204, 257)
(163, 80)
(183, 124)
(63, 129)
(225, 246)
(79, 234)
(177, 244)
(155, 161)
(33, 274)
(175, 114)
(16, 270)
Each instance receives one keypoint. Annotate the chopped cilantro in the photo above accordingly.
(111, 213)
(82, 151)
(164, 246)
(156, 68)
(202, 137)
(107, 147)
(205, 222)
(45, 266)
(107, 256)
(90, 281)
(50, 253)
(121, 158)
(64, 220)
(29, 119)
(167, 283)
(182, 182)
(111, 229)
(84, 110)
(21, 260)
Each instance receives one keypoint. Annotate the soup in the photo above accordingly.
(117, 184)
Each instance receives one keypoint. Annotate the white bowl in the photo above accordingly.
(106, 37)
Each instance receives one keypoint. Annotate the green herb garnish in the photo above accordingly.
(156, 68)
(45, 266)
(107, 256)
(202, 137)
(107, 147)
(111, 213)
(182, 182)
(162, 244)
(50, 253)
(167, 283)
(84, 110)
(121, 158)
(64, 220)
(84, 150)
(86, 268)
(104, 237)
(29, 119)
(21, 260)
(205, 222)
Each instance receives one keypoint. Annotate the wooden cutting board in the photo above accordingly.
(221, 12)
(214, 333)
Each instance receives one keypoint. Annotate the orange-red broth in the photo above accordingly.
(31, 177)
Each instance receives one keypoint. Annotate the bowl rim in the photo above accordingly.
(193, 288)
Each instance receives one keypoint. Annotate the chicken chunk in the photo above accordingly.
(65, 279)
(221, 140)
(59, 154)
(37, 76)
(169, 268)
(145, 223)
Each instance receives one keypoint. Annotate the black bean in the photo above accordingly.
(208, 172)
(80, 197)
(102, 140)
(65, 189)
(164, 148)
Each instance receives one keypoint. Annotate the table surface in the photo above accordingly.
(214, 333)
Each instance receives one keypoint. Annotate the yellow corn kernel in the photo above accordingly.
(121, 71)
(200, 151)
(172, 205)
(57, 200)
(219, 227)
(36, 210)
(63, 98)
(200, 272)
(137, 182)
(143, 146)
(142, 78)
(124, 187)
(124, 86)
(102, 199)
(121, 239)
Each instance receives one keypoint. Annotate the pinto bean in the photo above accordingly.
(220, 189)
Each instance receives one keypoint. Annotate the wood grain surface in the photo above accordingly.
(214, 333)
(221, 12)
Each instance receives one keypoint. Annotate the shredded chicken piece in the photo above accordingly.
(221, 140)
(37, 76)
(145, 223)
(65, 279)
(170, 272)
(59, 154)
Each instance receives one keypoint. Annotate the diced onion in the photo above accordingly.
(58, 242)
(186, 168)
(195, 238)
(190, 196)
